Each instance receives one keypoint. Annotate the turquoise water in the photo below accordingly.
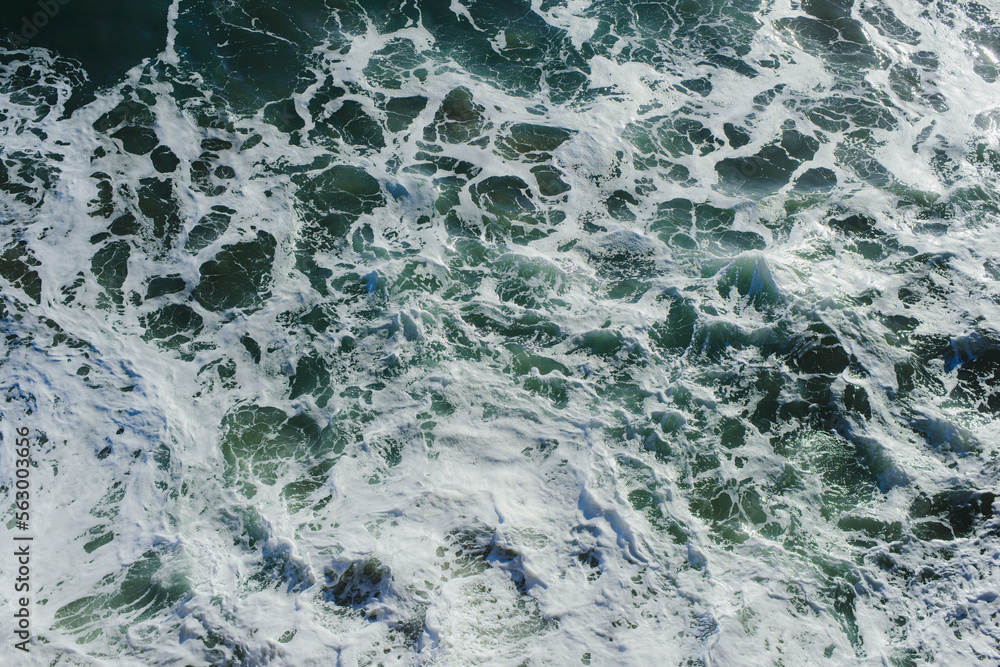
(525, 333)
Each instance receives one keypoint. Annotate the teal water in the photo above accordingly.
(526, 333)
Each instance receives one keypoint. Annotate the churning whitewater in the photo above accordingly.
(426, 332)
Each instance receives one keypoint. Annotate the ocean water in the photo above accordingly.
(462, 332)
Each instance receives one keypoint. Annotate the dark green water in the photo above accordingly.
(524, 333)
